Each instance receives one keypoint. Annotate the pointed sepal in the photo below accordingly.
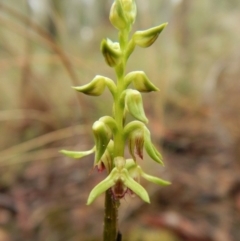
(103, 186)
(102, 135)
(155, 180)
(97, 86)
(136, 172)
(136, 143)
(106, 161)
(147, 37)
(150, 148)
(140, 81)
(110, 122)
(134, 186)
(134, 105)
(141, 130)
(77, 154)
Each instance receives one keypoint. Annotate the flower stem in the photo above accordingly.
(110, 218)
(110, 232)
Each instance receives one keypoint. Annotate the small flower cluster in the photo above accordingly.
(111, 133)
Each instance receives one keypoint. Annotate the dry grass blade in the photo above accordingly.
(41, 141)
(29, 114)
(45, 154)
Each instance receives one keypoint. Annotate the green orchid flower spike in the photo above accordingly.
(113, 133)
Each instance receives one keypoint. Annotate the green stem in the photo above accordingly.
(110, 232)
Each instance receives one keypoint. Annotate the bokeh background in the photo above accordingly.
(47, 46)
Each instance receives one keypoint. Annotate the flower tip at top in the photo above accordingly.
(123, 14)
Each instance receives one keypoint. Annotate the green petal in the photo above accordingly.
(117, 17)
(131, 127)
(111, 52)
(108, 156)
(97, 86)
(147, 37)
(130, 10)
(150, 149)
(136, 143)
(110, 122)
(140, 81)
(134, 186)
(155, 180)
(134, 105)
(130, 163)
(103, 186)
(77, 154)
(102, 136)
(134, 171)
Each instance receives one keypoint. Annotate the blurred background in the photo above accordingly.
(47, 46)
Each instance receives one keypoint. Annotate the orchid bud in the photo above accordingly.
(146, 38)
(97, 86)
(102, 136)
(140, 81)
(136, 143)
(138, 127)
(133, 103)
(111, 52)
(107, 158)
(117, 17)
(110, 122)
(108, 128)
(130, 10)
(123, 13)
